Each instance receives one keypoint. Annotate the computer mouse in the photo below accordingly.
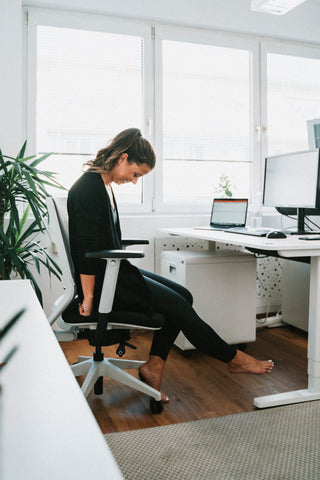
(276, 234)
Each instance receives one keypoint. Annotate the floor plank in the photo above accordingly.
(200, 386)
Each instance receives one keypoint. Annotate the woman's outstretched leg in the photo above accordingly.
(180, 316)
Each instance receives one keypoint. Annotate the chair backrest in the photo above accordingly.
(59, 231)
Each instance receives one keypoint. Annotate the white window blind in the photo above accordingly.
(89, 88)
(293, 86)
(206, 120)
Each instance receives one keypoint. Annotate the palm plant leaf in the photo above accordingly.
(22, 151)
(48, 262)
(24, 219)
(40, 159)
(3, 238)
(13, 209)
(35, 171)
(42, 253)
(37, 204)
(31, 183)
(35, 260)
(32, 253)
(16, 263)
(4, 164)
(2, 268)
(32, 229)
(30, 276)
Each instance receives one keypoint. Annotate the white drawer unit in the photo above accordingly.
(223, 285)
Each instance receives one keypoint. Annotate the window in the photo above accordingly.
(206, 121)
(89, 87)
(293, 96)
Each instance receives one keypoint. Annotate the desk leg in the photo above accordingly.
(313, 390)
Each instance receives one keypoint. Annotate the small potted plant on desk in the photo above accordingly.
(225, 186)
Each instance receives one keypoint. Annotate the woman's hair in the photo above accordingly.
(129, 141)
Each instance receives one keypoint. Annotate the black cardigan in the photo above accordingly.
(92, 228)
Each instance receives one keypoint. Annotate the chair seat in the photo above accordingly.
(116, 319)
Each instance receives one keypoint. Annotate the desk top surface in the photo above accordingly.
(47, 428)
(291, 246)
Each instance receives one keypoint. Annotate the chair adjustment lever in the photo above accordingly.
(121, 350)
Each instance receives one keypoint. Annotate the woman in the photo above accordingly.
(94, 225)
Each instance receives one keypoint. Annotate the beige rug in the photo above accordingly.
(280, 443)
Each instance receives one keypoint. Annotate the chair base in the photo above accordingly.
(112, 368)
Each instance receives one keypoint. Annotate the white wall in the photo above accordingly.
(232, 15)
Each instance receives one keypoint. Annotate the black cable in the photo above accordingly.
(313, 223)
(306, 218)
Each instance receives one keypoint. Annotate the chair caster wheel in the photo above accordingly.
(156, 406)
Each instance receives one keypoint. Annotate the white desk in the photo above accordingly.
(47, 430)
(289, 247)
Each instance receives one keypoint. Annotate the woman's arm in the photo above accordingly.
(87, 284)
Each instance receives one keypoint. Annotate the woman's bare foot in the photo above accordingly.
(243, 363)
(151, 373)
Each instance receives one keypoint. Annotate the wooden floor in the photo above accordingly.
(199, 387)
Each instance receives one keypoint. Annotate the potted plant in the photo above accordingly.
(224, 186)
(23, 190)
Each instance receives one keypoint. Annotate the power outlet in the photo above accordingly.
(54, 249)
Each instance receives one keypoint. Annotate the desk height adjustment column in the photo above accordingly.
(313, 390)
(314, 327)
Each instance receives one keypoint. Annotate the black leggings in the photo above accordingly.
(175, 303)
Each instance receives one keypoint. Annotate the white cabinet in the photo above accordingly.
(223, 285)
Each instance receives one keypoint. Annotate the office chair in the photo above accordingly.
(107, 328)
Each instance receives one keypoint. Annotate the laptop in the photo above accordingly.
(230, 214)
(227, 213)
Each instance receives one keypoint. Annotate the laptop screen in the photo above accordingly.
(229, 212)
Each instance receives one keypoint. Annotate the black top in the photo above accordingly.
(92, 228)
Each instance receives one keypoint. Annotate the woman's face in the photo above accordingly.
(125, 172)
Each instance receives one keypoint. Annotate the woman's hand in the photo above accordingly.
(86, 307)
(87, 284)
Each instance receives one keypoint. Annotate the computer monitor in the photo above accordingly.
(313, 127)
(292, 181)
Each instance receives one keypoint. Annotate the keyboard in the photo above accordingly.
(255, 232)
